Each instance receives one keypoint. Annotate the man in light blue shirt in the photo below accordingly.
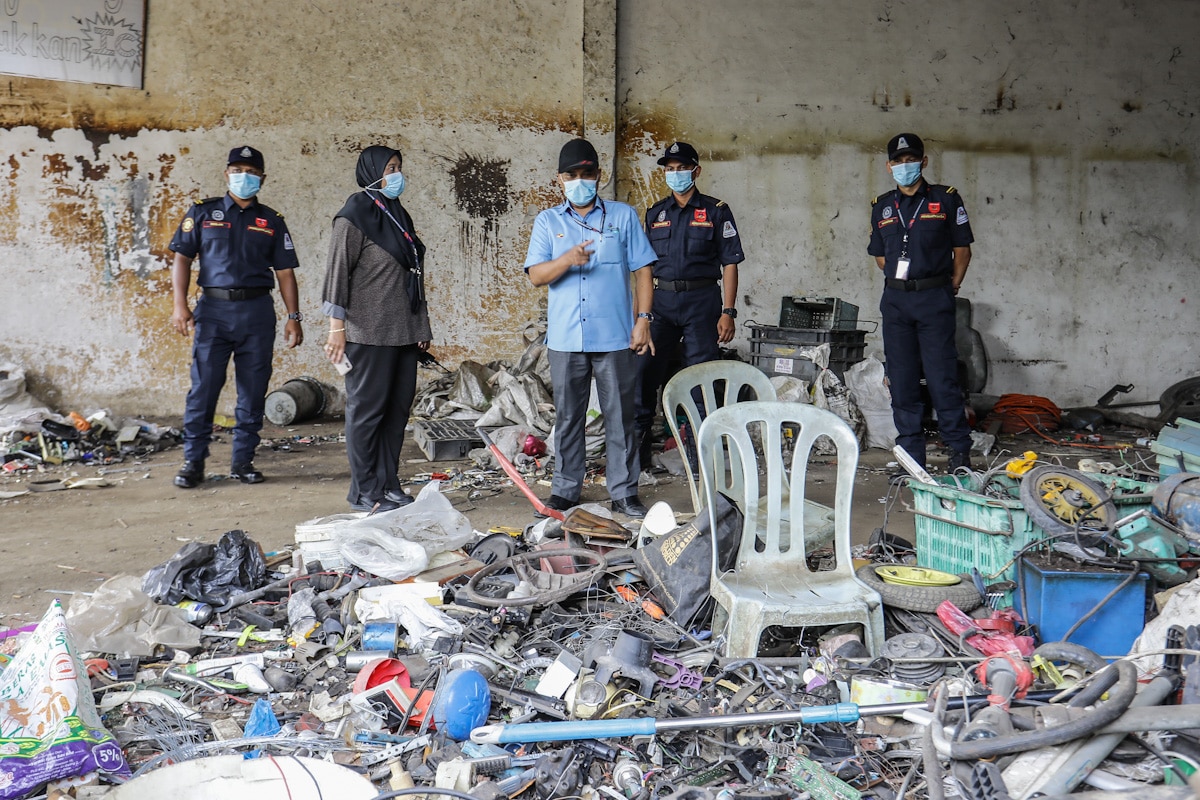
(583, 251)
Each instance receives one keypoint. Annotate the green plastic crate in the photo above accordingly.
(957, 529)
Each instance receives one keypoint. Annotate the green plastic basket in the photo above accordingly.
(957, 530)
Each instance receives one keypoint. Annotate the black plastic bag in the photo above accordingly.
(208, 573)
(677, 567)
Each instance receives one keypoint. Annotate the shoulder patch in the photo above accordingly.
(950, 190)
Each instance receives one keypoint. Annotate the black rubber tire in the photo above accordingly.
(925, 599)
(1104, 514)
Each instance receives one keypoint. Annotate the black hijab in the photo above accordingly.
(393, 233)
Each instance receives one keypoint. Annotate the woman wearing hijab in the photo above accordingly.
(378, 322)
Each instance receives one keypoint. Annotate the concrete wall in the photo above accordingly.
(1069, 127)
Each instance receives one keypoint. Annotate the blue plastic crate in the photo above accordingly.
(1058, 598)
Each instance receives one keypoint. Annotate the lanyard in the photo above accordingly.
(579, 220)
(407, 237)
(907, 225)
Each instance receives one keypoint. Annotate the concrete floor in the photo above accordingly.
(53, 544)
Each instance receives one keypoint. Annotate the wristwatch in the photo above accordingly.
(729, 312)
(646, 315)
(296, 315)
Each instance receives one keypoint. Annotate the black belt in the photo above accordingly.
(919, 285)
(684, 286)
(235, 294)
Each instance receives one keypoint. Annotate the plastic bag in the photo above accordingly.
(869, 389)
(383, 540)
(470, 388)
(422, 622)
(829, 393)
(209, 573)
(791, 390)
(50, 730)
(120, 618)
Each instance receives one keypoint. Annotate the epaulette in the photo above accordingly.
(950, 190)
(207, 200)
(875, 200)
(719, 202)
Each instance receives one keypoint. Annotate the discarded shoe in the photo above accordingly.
(398, 497)
(190, 475)
(375, 507)
(629, 506)
(246, 473)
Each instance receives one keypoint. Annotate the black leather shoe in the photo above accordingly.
(373, 507)
(399, 498)
(246, 473)
(556, 503)
(190, 475)
(630, 506)
(959, 461)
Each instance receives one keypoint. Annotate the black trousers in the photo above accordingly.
(380, 388)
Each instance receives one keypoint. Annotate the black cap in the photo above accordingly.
(680, 151)
(246, 155)
(577, 153)
(904, 143)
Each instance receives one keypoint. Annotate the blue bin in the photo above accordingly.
(1058, 598)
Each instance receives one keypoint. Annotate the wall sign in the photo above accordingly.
(87, 41)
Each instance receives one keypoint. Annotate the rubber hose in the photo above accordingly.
(1075, 653)
(1108, 711)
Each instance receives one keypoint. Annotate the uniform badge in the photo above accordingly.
(661, 215)
(883, 223)
(674, 148)
(887, 212)
(260, 222)
(962, 215)
(902, 143)
(246, 152)
(188, 224)
(287, 242)
(701, 215)
(728, 231)
(935, 208)
(218, 214)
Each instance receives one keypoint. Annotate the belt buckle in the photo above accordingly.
(910, 285)
(237, 294)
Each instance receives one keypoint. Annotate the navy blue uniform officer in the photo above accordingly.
(921, 240)
(244, 247)
(695, 278)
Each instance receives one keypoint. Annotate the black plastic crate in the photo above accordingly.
(446, 439)
(775, 350)
(827, 313)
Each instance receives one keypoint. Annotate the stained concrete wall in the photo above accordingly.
(1069, 127)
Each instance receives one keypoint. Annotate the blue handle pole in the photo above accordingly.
(641, 726)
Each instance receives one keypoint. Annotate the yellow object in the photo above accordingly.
(513, 532)
(916, 576)
(1048, 671)
(223, 421)
(1017, 467)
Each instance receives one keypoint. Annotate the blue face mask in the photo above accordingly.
(393, 185)
(906, 174)
(243, 185)
(580, 192)
(680, 181)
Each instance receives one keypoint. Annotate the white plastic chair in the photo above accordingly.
(771, 583)
(678, 395)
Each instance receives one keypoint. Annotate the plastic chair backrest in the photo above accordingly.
(770, 531)
(720, 384)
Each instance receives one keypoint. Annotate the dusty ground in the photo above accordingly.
(66, 541)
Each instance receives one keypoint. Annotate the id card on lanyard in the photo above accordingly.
(903, 263)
